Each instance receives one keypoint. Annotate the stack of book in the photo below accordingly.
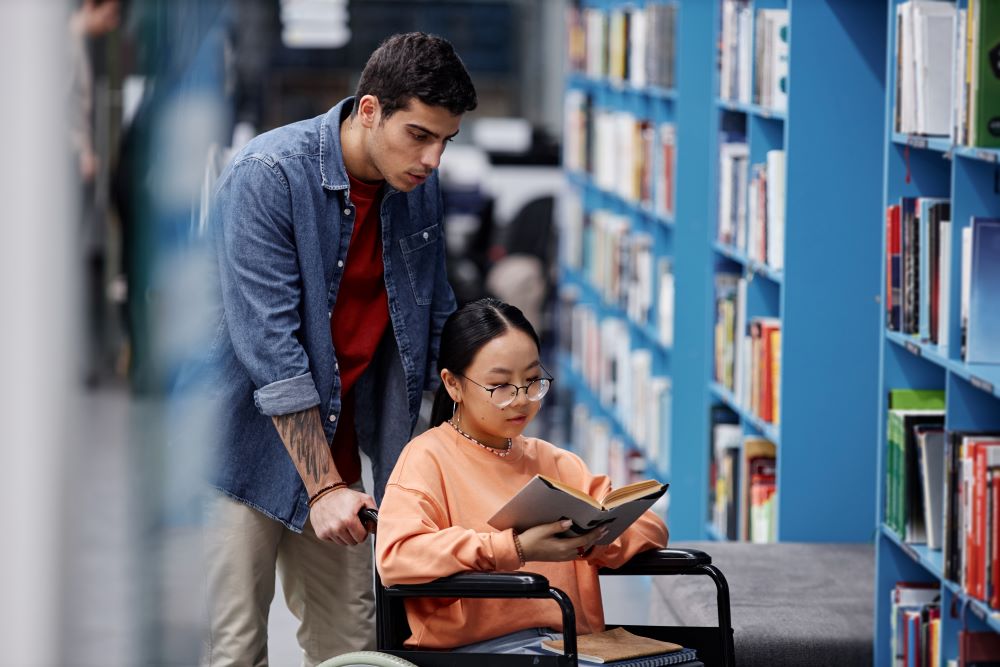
(734, 157)
(976, 116)
(743, 498)
(925, 40)
(761, 234)
(915, 622)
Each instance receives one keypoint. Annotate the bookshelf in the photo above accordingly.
(926, 166)
(831, 132)
(665, 215)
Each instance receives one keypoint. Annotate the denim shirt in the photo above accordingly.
(282, 223)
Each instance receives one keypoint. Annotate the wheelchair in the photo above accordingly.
(714, 645)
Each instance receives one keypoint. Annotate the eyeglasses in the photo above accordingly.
(503, 395)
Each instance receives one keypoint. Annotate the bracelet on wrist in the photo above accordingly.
(520, 551)
(325, 490)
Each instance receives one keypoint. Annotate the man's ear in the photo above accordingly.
(369, 111)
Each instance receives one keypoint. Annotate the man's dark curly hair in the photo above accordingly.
(419, 65)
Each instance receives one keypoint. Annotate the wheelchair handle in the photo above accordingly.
(369, 518)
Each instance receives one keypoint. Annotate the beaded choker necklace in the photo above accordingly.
(493, 450)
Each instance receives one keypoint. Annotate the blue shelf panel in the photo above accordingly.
(981, 154)
(751, 109)
(983, 376)
(933, 561)
(769, 431)
(945, 146)
(584, 182)
(646, 332)
(751, 264)
(584, 82)
(938, 144)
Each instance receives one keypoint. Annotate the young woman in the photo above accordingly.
(451, 479)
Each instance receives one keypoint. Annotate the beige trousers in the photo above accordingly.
(327, 587)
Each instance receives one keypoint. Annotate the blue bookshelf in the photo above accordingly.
(918, 166)
(825, 296)
(678, 236)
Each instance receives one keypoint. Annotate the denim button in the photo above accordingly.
(340, 263)
(347, 211)
(333, 418)
(426, 236)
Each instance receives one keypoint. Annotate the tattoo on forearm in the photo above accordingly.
(299, 432)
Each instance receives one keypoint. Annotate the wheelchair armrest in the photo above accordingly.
(662, 561)
(477, 585)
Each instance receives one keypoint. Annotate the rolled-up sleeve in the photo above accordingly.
(261, 285)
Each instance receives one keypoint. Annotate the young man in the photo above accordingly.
(331, 268)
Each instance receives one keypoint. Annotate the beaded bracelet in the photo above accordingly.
(520, 552)
(325, 490)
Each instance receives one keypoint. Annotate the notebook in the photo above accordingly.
(621, 648)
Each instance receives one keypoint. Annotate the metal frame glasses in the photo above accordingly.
(503, 399)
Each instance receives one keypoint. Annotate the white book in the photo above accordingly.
(637, 74)
(746, 54)
(931, 444)
(665, 302)
(958, 80)
(776, 209)
(933, 44)
(944, 285)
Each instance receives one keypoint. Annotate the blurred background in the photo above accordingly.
(117, 116)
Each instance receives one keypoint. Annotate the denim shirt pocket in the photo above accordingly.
(420, 255)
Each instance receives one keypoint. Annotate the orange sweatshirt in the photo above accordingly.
(432, 523)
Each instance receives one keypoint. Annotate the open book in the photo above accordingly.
(618, 645)
(544, 500)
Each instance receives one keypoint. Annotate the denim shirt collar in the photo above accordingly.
(331, 153)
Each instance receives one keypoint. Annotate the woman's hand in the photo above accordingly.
(541, 544)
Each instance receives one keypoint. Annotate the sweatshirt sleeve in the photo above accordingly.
(415, 545)
(648, 532)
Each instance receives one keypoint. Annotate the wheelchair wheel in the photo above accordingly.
(373, 658)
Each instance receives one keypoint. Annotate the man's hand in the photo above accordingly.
(541, 544)
(334, 517)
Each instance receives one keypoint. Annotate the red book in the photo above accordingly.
(893, 268)
(995, 540)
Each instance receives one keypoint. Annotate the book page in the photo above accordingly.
(630, 492)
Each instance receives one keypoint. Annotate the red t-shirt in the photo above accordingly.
(360, 317)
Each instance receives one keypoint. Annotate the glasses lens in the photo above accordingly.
(504, 395)
(537, 389)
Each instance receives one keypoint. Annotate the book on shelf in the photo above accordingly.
(944, 285)
(908, 408)
(978, 649)
(958, 125)
(620, 648)
(765, 370)
(925, 30)
(985, 89)
(932, 211)
(982, 337)
(759, 456)
(913, 270)
(666, 172)
(771, 59)
(734, 155)
(726, 335)
(909, 598)
(724, 450)
(665, 290)
(735, 55)
(545, 500)
(893, 269)
(930, 458)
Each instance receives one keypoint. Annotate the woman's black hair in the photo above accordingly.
(416, 65)
(465, 332)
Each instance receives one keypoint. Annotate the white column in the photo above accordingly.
(36, 324)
